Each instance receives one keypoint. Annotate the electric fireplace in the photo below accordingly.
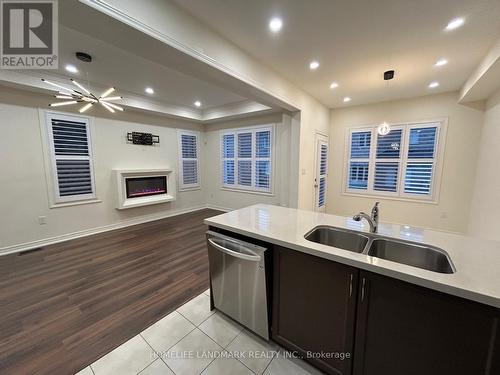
(144, 186)
(141, 187)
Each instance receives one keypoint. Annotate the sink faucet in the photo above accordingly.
(372, 220)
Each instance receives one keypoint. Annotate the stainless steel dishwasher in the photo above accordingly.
(238, 280)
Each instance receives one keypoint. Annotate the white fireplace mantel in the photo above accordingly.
(122, 202)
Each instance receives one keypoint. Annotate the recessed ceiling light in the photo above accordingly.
(149, 90)
(197, 103)
(334, 85)
(71, 68)
(347, 99)
(433, 85)
(275, 24)
(454, 24)
(314, 65)
(441, 62)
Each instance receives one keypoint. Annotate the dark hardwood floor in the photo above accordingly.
(68, 304)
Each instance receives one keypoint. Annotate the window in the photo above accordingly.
(246, 159)
(189, 171)
(401, 164)
(71, 154)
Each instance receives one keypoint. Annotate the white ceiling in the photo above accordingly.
(130, 73)
(356, 41)
(129, 60)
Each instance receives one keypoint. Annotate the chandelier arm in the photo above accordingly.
(114, 106)
(105, 105)
(107, 92)
(63, 103)
(85, 107)
(80, 86)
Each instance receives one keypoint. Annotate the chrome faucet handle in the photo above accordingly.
(375, 210)
(359, 215)
(371, 221)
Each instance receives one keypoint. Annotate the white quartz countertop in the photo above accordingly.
(477, 261)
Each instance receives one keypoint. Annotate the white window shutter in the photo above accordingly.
(189, 160)
(263, 159)
(359, 155)
(70, 149)
(386, 176)
(400, 164)
(419, 172)
(74, 177)
(418, 178)
(228, 159)
(246, 159)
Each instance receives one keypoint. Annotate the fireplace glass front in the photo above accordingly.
(144, 186)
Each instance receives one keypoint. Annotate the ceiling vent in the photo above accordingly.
(83, 56)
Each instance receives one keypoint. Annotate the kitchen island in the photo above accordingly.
(381, 316)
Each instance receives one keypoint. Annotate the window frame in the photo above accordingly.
(56, 199)
(439, 146)
(244, 188)
(181, 185)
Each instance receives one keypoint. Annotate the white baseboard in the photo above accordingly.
(87, 232)
(218, 208)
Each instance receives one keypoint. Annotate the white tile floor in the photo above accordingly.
(195, 340)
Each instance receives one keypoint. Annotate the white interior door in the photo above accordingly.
(320, 178)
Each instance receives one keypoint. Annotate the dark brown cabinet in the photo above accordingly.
(406, 329)
(389, 327)
(313, 309)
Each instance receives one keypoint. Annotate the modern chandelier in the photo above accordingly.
(84, 96)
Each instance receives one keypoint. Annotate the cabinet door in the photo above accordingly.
(314, 303)
(406, 329)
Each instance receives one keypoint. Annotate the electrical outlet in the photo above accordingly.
(303, 171)
(42, 220)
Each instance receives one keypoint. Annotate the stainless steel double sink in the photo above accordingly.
(410, 253)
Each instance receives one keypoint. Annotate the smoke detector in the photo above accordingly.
(388, 75)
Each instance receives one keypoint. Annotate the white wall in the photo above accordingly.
(462, 145)
(25, 189)
(485, 212)
(230, 199)
(24, 193)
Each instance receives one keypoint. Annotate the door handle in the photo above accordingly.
(350, 286)
(251, 256)
(363, 290)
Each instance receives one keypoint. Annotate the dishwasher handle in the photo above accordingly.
(251, 256)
